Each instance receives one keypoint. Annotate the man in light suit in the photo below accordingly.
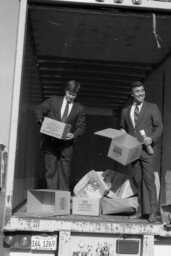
(58, 153)
(149, 120)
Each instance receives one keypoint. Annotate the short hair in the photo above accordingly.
(136, 84)
(72, 86)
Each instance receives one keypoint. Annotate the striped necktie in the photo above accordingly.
(65, 114)
(136, 114)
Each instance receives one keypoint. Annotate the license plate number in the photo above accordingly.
(48, 243)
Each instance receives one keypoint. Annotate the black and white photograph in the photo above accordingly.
(85, 121)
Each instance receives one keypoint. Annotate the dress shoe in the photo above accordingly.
(152, 218)
(137, 215)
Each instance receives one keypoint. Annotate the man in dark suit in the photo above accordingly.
(142, 115)
(58, 152)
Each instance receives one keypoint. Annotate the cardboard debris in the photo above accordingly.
(55, 128)
(124, 148)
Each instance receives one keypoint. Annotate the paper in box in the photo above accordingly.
(55, 128)
(124, 148)
(85, 206)
(47, 202)
(120, 185)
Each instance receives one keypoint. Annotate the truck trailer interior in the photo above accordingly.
(105, 45)
(105, 48)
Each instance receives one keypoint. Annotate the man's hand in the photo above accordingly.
(123, 130)
(70, 136)
(148, 141)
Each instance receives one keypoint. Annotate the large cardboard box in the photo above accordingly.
(124, 148)
(47, 202)
(85, 206)
(55, 128)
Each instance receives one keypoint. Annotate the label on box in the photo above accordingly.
(85, 206)
(63, 203)
(117, 151)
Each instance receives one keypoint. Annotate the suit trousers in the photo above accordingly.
(144, 169)
(57, 162)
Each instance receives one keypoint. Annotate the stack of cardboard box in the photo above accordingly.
(104, 193)
(108, 192)
(119, 195)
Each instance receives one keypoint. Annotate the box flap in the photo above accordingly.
(110, 133)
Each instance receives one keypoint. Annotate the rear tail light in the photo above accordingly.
(9, 241)
(137, 2)
(17, 241)
(118, 1)
(24, 242)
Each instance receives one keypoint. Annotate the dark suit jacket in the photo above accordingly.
(149, 120)
(52, 108)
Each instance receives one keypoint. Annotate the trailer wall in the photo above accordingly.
(27, 164)
(159, 92)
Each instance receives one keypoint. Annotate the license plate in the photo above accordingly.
(48, 243)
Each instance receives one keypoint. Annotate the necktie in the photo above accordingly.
(136, 114)
(65, 114)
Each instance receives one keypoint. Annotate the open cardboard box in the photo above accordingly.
(119, 205)
(55, 128)
(91, 185)
(47, 202)
(124, 148)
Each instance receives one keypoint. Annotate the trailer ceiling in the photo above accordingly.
(104, 49)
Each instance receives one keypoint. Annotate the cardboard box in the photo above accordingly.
(118, 205)
(91, 185)
(124, 148)
(55, 128)
(46, 202)
(165, 212)
(85, 206)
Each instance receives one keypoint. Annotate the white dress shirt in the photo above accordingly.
(132, 111)
(64, 105)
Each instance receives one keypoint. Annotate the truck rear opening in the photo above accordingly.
(105, 45)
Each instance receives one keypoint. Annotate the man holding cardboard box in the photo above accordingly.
(142, 115)
(58, 150)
